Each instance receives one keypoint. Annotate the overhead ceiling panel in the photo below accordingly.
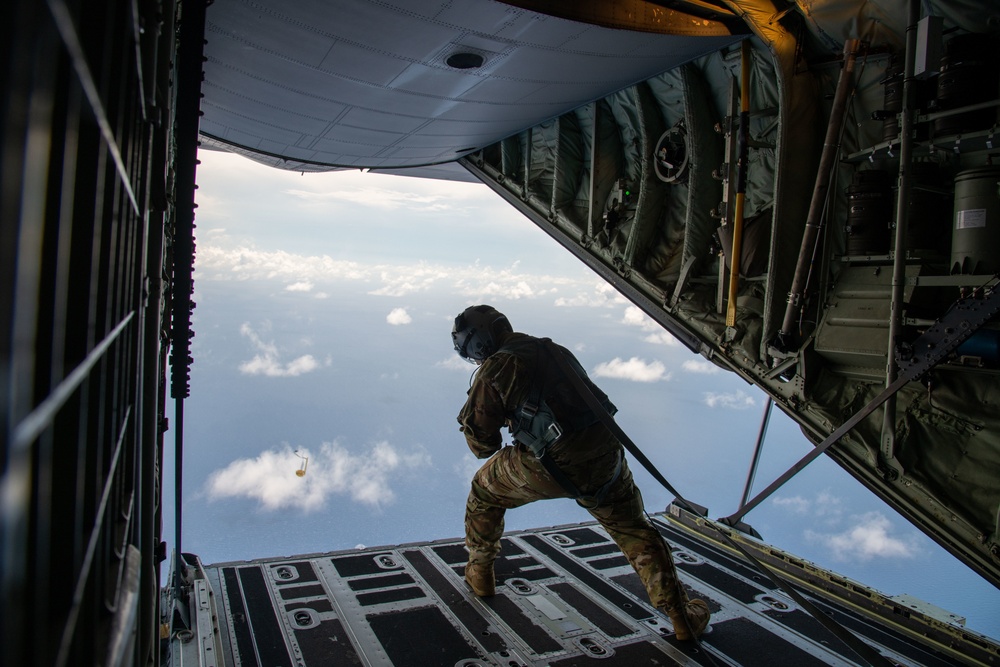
(296, 76)
(356, 63)
(435, 81)
(400, 120)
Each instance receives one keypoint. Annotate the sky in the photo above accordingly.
(323, 340)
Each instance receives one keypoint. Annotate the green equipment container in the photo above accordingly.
(975, 234)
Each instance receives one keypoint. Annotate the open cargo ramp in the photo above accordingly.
(565, 596)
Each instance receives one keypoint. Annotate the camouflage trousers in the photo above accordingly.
(514, 477)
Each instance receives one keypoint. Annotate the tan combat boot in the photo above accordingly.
(690, 619)
(481, 579)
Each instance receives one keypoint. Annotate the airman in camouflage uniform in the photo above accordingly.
(588, 455)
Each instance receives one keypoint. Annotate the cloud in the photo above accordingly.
(634, 316)
(824, 509)
(662, 338)
(518, 290)
(656, 334)
(484, 283)
(419, 278)
(299, 272)
(701, 366)
(455, 363)
(635, 369)
(264, 365)
(270, 477)
(266, 361)
(824, 505)
(398, 316)
(828, 505)
(796, 504)
(382, 198)
(467, 466)
(868, 538)
(598, 295)
(738, 400)
(349, 189)
(245, 262)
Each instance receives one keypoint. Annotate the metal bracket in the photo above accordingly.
(962, 320)
(951, 330)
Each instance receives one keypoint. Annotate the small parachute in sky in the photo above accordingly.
(301, 472)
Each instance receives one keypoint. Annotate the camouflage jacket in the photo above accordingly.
(502, 385)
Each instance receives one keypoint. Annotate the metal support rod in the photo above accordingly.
(755, 460)
(877, 402)
(150, 439)
(45, 413)
(97, 532)
(63, 18)
(527, 164)
(831, 146)
(963, 319)
(641, 299)
(590, 229)
(178, 495)
(556, 171)
(190, 56)
(888, 445)
(741, 182)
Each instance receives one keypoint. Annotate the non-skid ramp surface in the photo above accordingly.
(565, 597)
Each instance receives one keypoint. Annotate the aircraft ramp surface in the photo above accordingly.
(565, 596)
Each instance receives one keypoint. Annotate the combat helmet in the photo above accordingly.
(477, 332)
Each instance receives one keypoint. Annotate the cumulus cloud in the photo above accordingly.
(700, 366)
(635, 369)
(270, 477)
(454, 362)
(484, 283)
(824, 508)
(419, 278)
(267, 362)
(738, 400)
(467, 466)
(635, 317)
(828, 505)
(243, 262)
(299, 272)
(796, 504)
(596, 295)
(398, 316)
(381, 198)
(661, 338)
(870, 537)
(825, 505)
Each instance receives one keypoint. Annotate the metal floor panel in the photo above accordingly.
(563, 598)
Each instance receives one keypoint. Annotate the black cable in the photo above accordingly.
(863, 650)
(189, 72)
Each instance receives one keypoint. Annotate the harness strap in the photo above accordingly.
(863, 650)
(539, 446)
(571, 488)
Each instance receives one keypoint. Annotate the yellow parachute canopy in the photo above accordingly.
(301, 472)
